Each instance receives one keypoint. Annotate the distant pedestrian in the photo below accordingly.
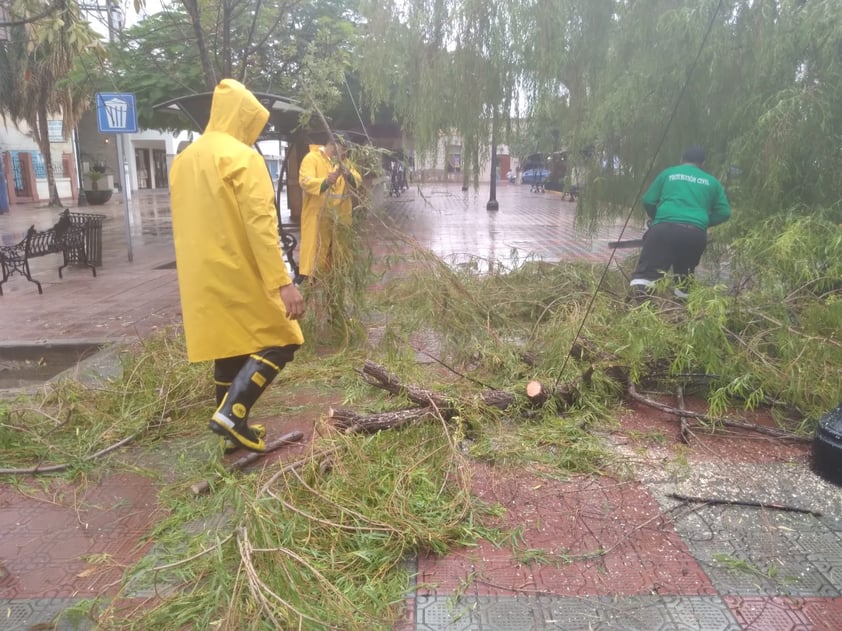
(238, 302)
(682, 203)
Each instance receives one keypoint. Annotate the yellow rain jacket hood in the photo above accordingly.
(228, 258)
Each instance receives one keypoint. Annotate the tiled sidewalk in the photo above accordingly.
(125, 300)
(624, 554)
(597, 553)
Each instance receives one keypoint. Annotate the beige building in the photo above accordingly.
(24, 171)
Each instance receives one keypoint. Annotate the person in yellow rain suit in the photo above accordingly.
(327, 179)
(238, 302)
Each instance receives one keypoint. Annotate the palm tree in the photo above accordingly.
(42, 47)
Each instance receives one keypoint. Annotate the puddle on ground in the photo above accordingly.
(32, 365)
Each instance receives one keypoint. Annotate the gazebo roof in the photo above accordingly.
(283, 112)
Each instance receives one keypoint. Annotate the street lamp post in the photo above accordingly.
(82, 198)
(492, 199)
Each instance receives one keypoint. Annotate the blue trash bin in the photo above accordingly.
(4, 195)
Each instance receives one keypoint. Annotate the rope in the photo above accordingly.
(356, 109)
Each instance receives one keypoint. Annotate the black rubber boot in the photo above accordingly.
(231, 417)
(221, 390)
(228, 445)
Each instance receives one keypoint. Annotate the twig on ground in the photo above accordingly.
(684, 431)
(63, 467)
(713, 501)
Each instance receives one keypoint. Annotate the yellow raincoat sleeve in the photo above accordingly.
(255, 196)
(312, 173)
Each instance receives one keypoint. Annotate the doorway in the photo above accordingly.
(159, 161)
(141, 162)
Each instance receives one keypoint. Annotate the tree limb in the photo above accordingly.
(771, 431)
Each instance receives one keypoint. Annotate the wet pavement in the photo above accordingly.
(604, 553)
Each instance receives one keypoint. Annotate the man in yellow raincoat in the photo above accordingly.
(327, 179)
(238, 302)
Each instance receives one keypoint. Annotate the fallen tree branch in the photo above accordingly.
(258, 589)
(713, 501)
(291, 437)
(378, 376)
(215, 546)
(771, 431)
(323, 454)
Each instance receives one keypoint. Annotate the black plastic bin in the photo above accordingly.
(92, 225)
(827, 446)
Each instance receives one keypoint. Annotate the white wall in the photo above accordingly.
(65, 192)
(14, 139)
(436, 163)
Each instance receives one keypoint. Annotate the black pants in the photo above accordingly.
(224, 370)
(669, 246)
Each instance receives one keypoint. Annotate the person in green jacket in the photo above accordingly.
(682, 203)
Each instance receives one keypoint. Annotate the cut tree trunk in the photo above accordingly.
(351, 421)
(564, 395)
(537, 393)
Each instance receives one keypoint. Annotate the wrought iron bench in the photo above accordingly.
(65, 238)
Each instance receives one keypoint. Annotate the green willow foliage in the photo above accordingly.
(609, 77)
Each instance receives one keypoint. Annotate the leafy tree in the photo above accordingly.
(287, 47)
(43, 44)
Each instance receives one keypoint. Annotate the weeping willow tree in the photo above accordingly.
(755, 82)
(627, 85)
(443, 66)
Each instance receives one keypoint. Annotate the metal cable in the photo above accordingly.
(640, 190)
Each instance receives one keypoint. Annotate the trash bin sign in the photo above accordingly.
(116, 113)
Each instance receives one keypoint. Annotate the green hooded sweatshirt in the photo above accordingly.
(687, 194)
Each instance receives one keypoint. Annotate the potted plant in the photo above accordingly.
(97, 191)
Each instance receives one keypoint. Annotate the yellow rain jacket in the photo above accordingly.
(320, 210)
(226, 235)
